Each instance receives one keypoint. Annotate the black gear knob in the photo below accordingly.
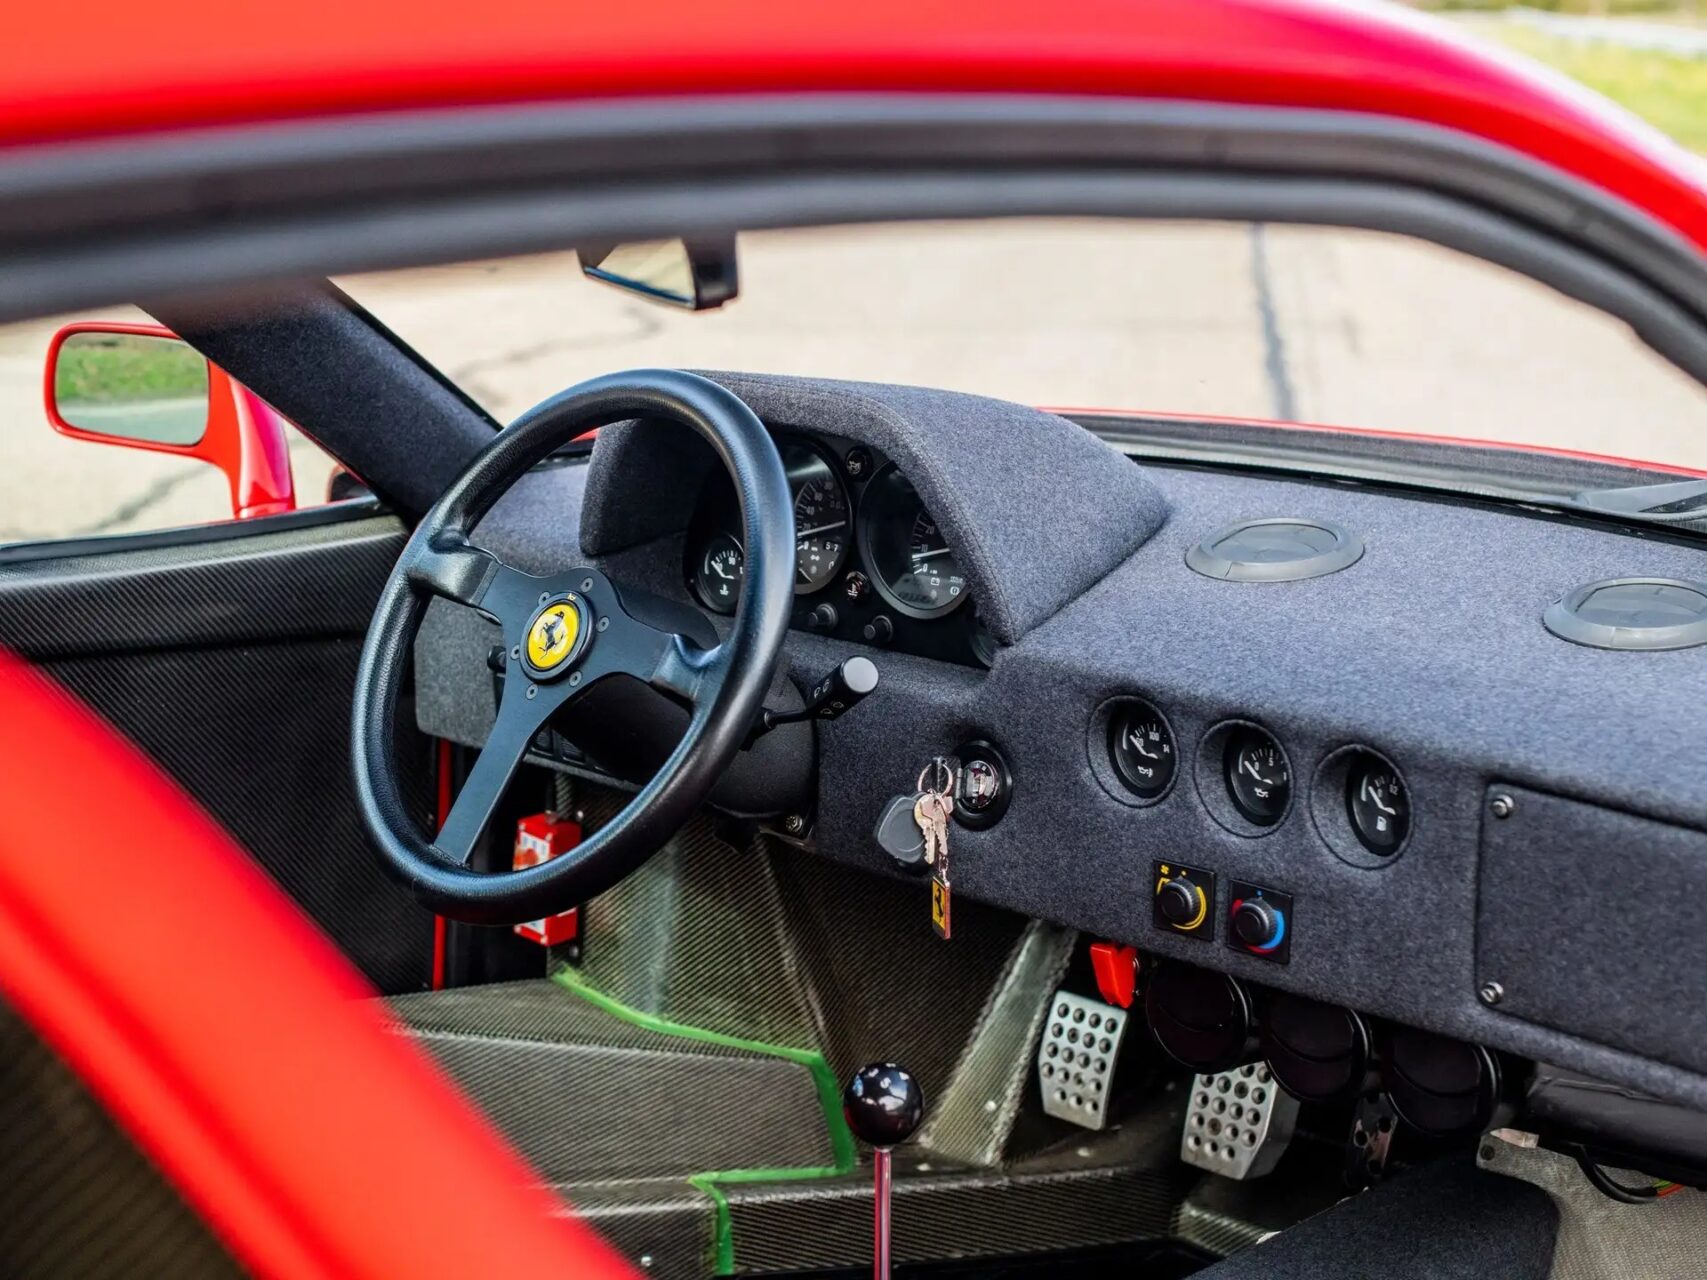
(883, 1104)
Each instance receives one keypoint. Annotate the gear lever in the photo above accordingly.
(883, 1104)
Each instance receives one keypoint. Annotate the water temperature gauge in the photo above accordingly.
(722, 566)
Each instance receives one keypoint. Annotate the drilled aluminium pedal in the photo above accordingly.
(1238, 1123)
(1076, 1056)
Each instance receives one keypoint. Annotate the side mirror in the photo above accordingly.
(143, 387)
(698, 275)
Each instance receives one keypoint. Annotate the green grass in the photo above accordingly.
(1665, 90)
(126, 368)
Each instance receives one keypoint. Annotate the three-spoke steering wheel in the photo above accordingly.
(562, 634)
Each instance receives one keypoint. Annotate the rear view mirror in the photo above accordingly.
(698, 275)
(142, 387)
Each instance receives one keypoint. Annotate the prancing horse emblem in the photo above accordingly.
(552, 637)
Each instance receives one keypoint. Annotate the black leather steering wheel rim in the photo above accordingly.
(724, 687)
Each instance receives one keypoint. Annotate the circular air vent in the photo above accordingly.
(1280, 549)
(1632, 613)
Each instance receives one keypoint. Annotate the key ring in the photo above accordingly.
(938, 767)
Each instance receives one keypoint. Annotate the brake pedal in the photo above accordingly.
(1076, 1056)
(1238, 1123)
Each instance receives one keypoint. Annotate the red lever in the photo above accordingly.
(1116, 970)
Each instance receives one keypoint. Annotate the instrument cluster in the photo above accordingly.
(870, 562)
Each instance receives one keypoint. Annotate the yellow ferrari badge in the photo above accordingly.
(552, 637)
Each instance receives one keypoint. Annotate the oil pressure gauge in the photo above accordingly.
(1259, 780)
(1141, 747)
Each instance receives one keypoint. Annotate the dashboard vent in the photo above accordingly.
(1631, 613)
(1278, 549)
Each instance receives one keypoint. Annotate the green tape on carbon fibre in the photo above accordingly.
(708, 1183)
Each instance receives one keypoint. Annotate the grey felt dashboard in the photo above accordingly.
(1429, 649)
(1026, 552)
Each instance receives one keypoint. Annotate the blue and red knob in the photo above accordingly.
(1258, 924)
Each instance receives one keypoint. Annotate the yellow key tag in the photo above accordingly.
(940, 908)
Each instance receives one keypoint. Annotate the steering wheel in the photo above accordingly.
(562, 635)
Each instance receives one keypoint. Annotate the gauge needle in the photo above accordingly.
(1249, 766)
(823, 528)
(932, 554)
(717, 568)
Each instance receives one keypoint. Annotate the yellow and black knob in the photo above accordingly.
(1184, 899)
(1182, 903)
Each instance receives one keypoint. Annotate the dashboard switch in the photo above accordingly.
(880, 630)
(1259, 922)
(1184, 900)
(823, 618)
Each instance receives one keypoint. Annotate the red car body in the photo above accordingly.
(244, 439)
(121, 69)
(105, 70)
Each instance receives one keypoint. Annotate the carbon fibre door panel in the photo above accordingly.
(229, 656)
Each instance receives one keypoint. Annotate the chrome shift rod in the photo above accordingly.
(883, 1104)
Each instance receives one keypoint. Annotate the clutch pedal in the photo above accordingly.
(1076, 1056)
(1238, 1123)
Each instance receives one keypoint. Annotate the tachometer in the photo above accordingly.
(822, 518)
(912, 564)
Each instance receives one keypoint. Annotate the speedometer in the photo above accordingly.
(822, 518)
(911, 562)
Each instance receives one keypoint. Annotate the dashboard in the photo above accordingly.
(871, 563)
(1386, 782)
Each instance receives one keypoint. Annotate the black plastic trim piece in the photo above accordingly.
(193, 535)
(199, 211)
(199, 593)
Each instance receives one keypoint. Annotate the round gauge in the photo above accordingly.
(1141, 747)
(718, 575)
(913, 567)
(1258, 779)
(823, 518)
(1376, 803)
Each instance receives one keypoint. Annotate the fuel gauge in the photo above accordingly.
(1377, 804)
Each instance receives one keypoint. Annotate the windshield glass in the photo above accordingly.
(1306, 324)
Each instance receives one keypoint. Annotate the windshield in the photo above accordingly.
(1306, 324)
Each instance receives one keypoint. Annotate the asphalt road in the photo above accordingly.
(1314, 325)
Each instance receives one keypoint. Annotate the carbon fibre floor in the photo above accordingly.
(680, 1082)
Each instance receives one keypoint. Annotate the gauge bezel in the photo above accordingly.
(1212, 786)
(1328, 809)
(862, 529)
(696, 581)
(785, 441)
(1238, 743)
